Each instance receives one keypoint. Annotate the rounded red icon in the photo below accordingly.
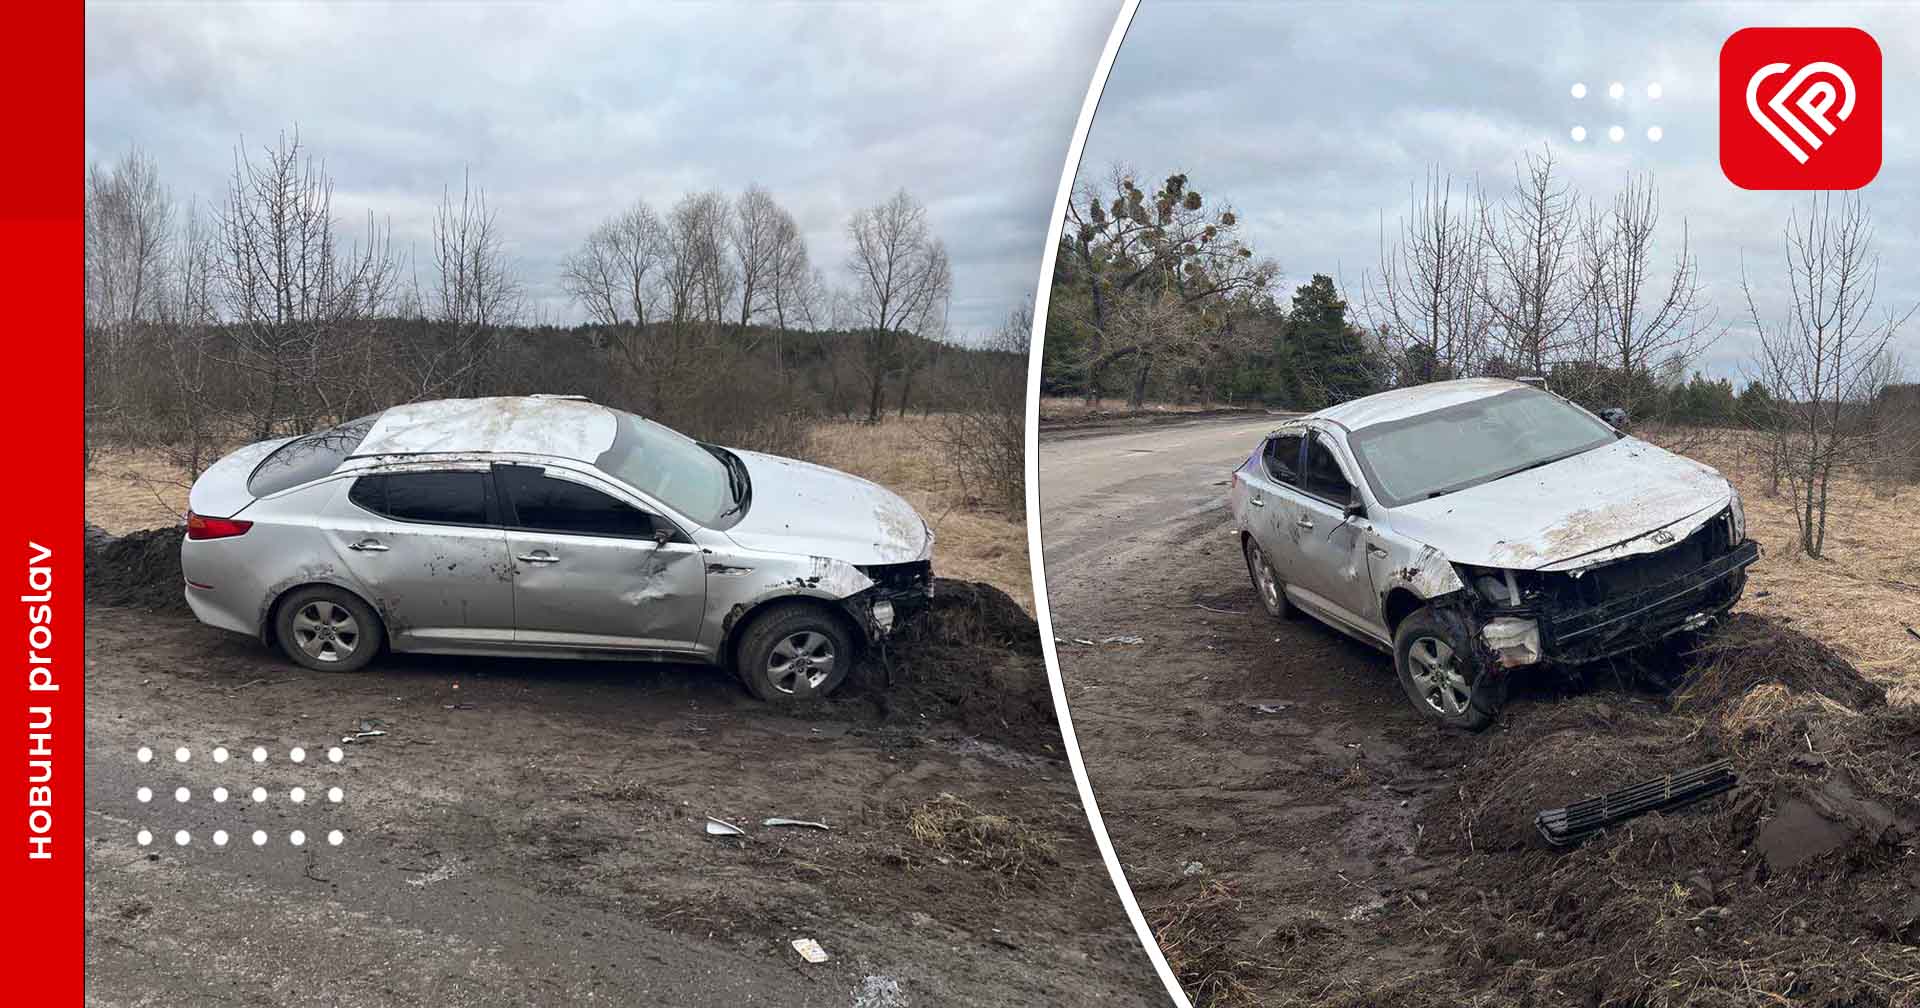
(1800, 108)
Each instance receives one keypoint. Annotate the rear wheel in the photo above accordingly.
(794, 651)
(1433, 655)
(327, 629)
(1266, 584)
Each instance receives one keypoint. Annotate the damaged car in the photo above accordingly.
(1480, 527)
(551, 526)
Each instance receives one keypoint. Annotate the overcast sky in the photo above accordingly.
(1313, 119)
(567, 113)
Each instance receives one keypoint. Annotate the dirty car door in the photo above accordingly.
(424, 546)
(1266, 505)
(589, 571)
(1333, 548)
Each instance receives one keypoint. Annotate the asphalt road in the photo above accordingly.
(1104, 494)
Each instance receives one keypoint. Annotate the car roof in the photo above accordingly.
(565, 427)
(1400, 403)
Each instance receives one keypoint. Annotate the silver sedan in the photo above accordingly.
(549, 525)
(1477, 527)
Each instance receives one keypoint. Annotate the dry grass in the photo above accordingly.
(129, 489)
(1074, 407)
(903, 455)
(998, 843)
(1859, 598)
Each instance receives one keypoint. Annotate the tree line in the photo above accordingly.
(1159, 295)
(268, 311)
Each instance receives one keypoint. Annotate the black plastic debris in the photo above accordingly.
(1564, 826)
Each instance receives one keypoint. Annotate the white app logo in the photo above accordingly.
(1814, 103)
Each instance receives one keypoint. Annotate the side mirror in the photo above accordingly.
(1356, 509)
(662, 536)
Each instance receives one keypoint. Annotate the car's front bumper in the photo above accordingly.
(1622, 624)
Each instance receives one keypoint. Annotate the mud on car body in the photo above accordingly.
(1475, 527)
(549, 525)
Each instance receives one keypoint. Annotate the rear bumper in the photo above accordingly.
(208, 608)
(1623, 624)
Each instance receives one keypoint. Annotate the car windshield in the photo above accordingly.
(674, 469)
(1474, 442)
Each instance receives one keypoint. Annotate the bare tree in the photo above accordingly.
(1534, 290)
(474, 295)
(129, 236)
(300, 303)
(985, 439)
(1828, 359)
(615, 273)
(129, 220)
(1428, 301)
(901, 284)
(1146, 248)
(1638, 321)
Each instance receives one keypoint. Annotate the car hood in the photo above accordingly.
(221, 491)
(811, 510)
(1623, 498)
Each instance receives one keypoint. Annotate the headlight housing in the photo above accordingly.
(1739, 514)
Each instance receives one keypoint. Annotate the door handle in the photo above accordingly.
(369, 546)
(1373, 550)
(1257, 501)
(539, 557)
(1304, 522)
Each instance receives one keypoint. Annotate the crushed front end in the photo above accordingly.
(900, 592)
(1576, 616)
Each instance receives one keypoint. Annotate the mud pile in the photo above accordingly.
(974, 660)
(1800, 886)
(139, 570)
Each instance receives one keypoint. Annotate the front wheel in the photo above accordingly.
(794, 651)
(1266, 584)
(1433, 654)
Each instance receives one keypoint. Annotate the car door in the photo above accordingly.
(427, 549)
(1333, 547)
(593, 571)
(1268, 513)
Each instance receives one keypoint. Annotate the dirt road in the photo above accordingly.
(1197, 785)
(1298, 836)
(532, 833)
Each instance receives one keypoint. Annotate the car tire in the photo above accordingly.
(1432, 653)
(793, 652)
(327, 629)
(1267, 585)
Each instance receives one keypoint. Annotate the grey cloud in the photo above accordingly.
(1313, 119)
(567, 113)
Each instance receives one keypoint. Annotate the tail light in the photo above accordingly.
(202, 527)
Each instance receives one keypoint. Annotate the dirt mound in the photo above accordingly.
(1800, 886)
(1750, 650)
(973, 660)
(140, 569)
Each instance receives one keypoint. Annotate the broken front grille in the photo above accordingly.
(902, 580)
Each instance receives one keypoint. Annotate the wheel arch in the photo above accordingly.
(1399, 603)
(277, 597)
(733, 626)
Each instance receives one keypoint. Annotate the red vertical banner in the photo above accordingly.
(41, 289)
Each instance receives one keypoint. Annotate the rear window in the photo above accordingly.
(447, 498)
(305, 459)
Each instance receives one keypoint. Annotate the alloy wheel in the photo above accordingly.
(801, 662)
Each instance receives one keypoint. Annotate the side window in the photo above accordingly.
(555, 505)
(1323, 477)
(1283, 458)
(446, 498)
